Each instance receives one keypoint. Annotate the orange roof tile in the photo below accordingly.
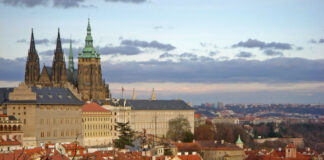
(189, 157)
(93, 107)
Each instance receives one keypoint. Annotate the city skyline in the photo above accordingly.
(256, 57)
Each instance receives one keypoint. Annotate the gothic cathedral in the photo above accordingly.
(87, 79)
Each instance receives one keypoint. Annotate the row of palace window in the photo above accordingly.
(98, 126)
(13, 113)
(63, 133)
(91, 134)
(19, 108)
(97, 119)
(58, 121)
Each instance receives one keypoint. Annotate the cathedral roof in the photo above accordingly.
(48, 95)
(72, 77)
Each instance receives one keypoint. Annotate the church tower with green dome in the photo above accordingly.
(90, 83)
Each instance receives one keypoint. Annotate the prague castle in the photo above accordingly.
(87, 79)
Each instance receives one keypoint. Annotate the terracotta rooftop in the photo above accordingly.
(93, 107)
(189, 157)
(188, 147)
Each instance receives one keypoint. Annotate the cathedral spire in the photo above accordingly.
(58, 41)
(71, 63)
(134, 94)
(59, 76)
(89, 51)
(32, 64)
(32, 48)
(153, 95)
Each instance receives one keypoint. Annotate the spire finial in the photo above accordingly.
(134, 94)
(32, 48)
(153, 95)
(58, 42)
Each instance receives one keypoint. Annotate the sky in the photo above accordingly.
(227, 51)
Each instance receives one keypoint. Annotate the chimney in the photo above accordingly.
(179, 153)
(194, 153)
(186, 153)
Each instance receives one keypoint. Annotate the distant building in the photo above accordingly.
(225, 120)
(98, 126)
(49, 115)
(299, 142)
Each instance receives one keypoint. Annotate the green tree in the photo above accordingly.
(178, 128)
(187, 137)
(125, 137)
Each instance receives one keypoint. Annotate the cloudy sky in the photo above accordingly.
(232, 51)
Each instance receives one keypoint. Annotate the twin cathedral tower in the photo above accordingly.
(87, 79)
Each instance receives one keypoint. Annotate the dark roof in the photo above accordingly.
(150, 104)
(158, 105)
(4, 93)
(49, 95)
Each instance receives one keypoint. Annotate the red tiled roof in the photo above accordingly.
(4, 143)
(93, 107)
(188, 147)
(197, 115)
(189, 157)
(3, 115)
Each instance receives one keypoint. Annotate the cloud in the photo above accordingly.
(12, 70)
(127, 1)
(270, 52)
(37, 41)
(46, 41)
(188, 56)
(244, 54)
(166, 55)
(145, 44)
(275, 70)
(25, 3)
(121, 50)
(158, 27)
(321, 40)
(254, 43)
(312, 41)
(67, 3)
(53, 3)
(213, 53)
(315, 41)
